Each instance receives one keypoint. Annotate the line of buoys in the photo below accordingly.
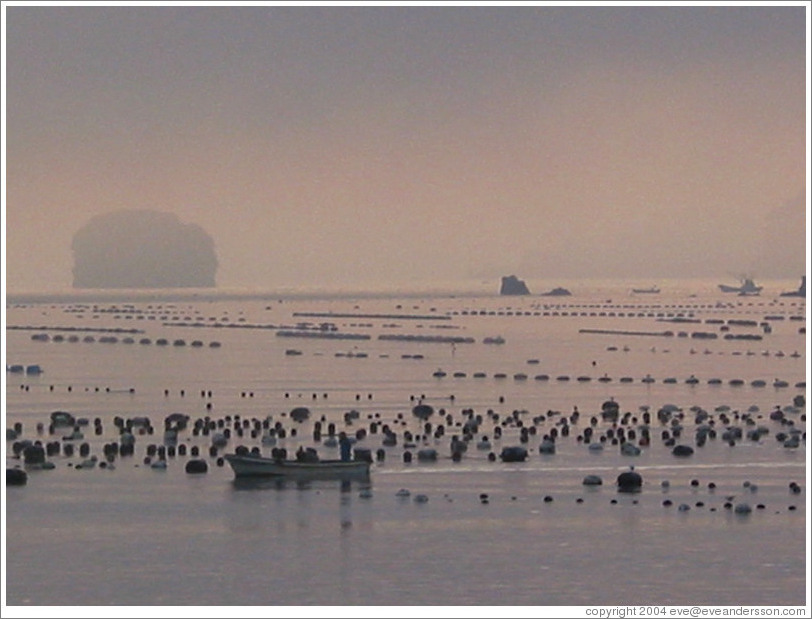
(111, 339)
(647, 379)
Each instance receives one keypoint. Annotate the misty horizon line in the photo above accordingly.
(473, 286)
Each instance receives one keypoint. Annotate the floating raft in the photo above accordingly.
(385, 316)
(326, 335)
(622, 332)
(442, 339)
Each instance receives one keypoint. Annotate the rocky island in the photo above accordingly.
(512, 285)
(142, 249)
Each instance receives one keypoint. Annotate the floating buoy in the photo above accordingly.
(16, 477)
(197, 466)
(630, 481)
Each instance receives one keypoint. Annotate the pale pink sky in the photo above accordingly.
(359, 146)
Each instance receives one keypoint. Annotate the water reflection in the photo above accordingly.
(345, 485)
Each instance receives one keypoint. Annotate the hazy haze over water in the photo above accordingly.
(363, 146)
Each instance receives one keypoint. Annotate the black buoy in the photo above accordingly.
(682, 450)
(197, 467)
(630, 481)
(16, 477)
(34, 454)
(513, 454)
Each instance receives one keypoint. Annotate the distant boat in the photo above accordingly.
(801, 292)
(747, 288)
(652, 290)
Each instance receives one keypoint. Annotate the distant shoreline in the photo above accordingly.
(619, 288)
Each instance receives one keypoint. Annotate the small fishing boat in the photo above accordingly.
(258, 466)
(747, 288)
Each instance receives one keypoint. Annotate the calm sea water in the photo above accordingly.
(491, 533)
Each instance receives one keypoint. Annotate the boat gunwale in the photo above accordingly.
(283, 468)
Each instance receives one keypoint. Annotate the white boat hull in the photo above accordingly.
(256, 466)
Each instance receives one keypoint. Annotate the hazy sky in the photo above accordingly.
(352, 145)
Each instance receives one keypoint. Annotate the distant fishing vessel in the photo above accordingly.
(747, 287)
(801, 292)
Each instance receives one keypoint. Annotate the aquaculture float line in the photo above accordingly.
(76, 329)
(329, 335)
(623, 332)
(441, 339)
(369, 316)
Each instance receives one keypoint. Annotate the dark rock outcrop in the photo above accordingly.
(557, 292)
(142, 249)
(512, 285)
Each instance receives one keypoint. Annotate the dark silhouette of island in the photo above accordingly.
(512, 285)
(557, 292)
(142, 249)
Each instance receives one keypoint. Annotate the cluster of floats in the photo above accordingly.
(149, 312)
(647, 379)
(330, 330)
(113, 336)
(509, 438)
